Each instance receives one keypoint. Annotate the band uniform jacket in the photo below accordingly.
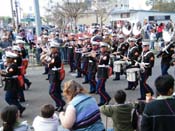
(92, 63)
(122, 48)
(54, 67)
(104, 61)
(167, 55)
(11, 80)
(133, 54)
(148, 57)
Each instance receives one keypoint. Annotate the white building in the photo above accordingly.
(134, 16)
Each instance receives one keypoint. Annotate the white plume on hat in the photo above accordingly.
(18, 37)
(54, 44)
(103, 44)
(10, 54)
(145, 42)
(20, 42)
(121, 36)
(131, 39)
(17, 48)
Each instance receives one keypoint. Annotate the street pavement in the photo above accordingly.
(38, 95)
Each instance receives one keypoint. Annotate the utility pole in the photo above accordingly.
(13, 13)
(17, 18)
(37, 17)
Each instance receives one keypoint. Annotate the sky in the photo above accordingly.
(27, 6)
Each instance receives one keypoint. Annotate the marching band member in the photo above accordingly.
(24, 55)
(70, 44)
(121, 51)
(139, 42)
(11, 81)
(166, 57)
(18, 61)
(78, 53)
(54, 76)
(85, 59)
(132, 56)
(147, 63)
(45, 50)
(92, 67)
(113, 48)
(102, 74)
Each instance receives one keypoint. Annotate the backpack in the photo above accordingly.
(138, 110)
(134, 118)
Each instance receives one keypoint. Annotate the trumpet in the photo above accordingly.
(1, 82)
(91, 54)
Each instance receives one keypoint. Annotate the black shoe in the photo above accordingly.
(134, 87)
(59, 109)
(44, 73)
(28, 85)
(115, 79)
(128, 88)
(92, 92)
(141, 99)
(21, 111)
(107, 102)
(22, 100)
(100, 104)
(78, 76)
(47, 78)
(85, 82)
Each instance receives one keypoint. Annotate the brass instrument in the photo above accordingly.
(91, 53)
(137, 29)
(127, 28)
(1, 82)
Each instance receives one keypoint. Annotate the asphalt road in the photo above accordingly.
(38, 95)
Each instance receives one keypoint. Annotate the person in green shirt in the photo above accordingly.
(120, 113)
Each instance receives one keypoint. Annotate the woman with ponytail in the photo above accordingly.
(9, 116)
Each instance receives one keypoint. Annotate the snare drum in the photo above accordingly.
(118, 66)
(132, 74)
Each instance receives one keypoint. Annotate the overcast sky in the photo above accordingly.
(27, 6)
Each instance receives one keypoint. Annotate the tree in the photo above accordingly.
(68, 12)
(161, 5)
(73, 10)
(103, 9)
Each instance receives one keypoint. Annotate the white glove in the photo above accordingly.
(142, 65)
(136, 64)
(118, 57)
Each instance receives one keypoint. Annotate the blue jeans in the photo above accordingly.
(104, 97)
(152, 45)
(164, 69)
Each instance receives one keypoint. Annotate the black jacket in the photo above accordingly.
(159, 115)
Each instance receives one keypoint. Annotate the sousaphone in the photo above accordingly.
(137, 29)
(127, 28)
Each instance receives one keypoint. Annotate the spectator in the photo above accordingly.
(159, 115)
(120, 113)
(82, 112)
(5, 43)
(48, 121)
(152, 39)
(9, 116)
